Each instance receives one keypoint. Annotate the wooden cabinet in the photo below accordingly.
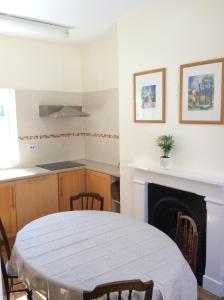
(7, 208)
(36, 197)
(70, 183)
(100, 183)
(25, 200)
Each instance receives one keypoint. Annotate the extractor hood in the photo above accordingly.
(61, 111)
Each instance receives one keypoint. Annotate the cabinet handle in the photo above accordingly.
(13, 196)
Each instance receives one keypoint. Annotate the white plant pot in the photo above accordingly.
(166, 162)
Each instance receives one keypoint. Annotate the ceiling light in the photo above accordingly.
(30, 26)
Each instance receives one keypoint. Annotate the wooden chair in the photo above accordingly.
(8, 275)
(120, 286)
(87, 200)
(187, 239)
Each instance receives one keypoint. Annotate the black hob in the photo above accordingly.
(60, 165)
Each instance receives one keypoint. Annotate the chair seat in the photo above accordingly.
(10, 272)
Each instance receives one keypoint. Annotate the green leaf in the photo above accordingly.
(166, 143)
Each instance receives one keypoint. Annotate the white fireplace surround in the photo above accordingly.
(213, 190)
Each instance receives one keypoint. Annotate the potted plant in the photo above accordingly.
(166, 143)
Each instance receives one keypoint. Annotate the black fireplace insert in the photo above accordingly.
(163, 206)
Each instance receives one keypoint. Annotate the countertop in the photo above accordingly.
(21, 173)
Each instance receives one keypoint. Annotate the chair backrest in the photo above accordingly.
(4, 240)
(87, 200)
(187, 239)
(6, 280)
(120, 286)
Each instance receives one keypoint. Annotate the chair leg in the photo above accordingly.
(7, 296)
(29, 295)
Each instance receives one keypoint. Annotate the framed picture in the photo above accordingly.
(201, 92)
(149, 96)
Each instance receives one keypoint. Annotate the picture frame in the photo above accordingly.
(149, 96)
(202, 92)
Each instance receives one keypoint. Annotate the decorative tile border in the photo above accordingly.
(67, 135)
(102, 135)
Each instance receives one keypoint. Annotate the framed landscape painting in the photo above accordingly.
(201, 92)
(149, 96)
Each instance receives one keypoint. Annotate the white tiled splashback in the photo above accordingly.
(103, 107)
(94, 138)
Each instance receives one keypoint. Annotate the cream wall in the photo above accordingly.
(100, 63)
(39, 65)
(168, 34)
(100, 97)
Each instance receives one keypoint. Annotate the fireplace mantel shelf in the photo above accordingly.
(177, 173)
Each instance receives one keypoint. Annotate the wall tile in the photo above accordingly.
(103, 107)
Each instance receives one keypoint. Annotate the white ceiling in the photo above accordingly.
(90, 18)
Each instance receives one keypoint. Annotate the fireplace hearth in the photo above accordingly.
(163, 206)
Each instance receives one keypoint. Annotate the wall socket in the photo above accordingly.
(33, 147)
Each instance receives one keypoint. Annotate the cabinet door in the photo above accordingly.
(36, 197)
(100, 183)
(70, 183)
(7, 208)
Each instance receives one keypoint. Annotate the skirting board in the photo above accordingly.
(213, 286)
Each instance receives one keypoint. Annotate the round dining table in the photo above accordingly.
(63, 254)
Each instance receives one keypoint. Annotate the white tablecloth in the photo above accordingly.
(65, 253)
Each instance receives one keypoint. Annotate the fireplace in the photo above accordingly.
(212, 190)
(163, 206)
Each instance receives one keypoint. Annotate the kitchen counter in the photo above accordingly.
(21, 173)
(100, 167)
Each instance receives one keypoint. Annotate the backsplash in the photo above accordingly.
(103, 107)
(31, 125)
(67, 138)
